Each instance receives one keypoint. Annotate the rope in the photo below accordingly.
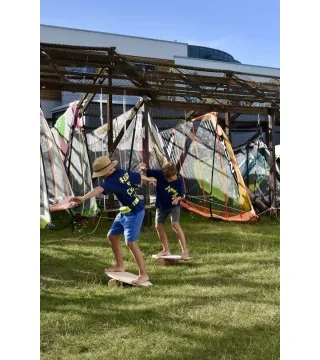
(101, 112)
(101, 217)
(199, 164)
(255, 162)
(124, 101)
(132, 142)
(180, 161)
(272, 209)
(199, 197)
(162, 158)
(213, 157)
(94, 228)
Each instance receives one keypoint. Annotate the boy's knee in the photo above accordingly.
(130, 244)
(112, 238)
(175, 226)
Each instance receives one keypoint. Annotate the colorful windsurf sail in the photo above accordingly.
(129, 151)
(54, 183)
(213, 183)
(69, 134)
(253, 159)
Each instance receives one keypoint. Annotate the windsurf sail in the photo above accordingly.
(129, 151)
(213, 183)
(69, 134)
(45, 216)
(54, 183)
(253, 159)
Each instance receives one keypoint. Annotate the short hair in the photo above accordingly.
(169, 169)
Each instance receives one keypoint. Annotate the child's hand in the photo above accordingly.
(76, 200)
(175, 201)
(142, 166)
(153, 180)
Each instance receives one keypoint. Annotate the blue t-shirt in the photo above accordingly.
(120, 184)
(166, 191)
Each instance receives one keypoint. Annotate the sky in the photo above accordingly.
(249, 30)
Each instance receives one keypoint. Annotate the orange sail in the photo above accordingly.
(213, 183)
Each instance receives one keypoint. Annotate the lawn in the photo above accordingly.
(223, 303)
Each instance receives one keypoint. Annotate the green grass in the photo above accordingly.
(222, 304)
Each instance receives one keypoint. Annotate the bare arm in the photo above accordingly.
(148, 179)
(142, 167)
(95, 192)
(176, 200)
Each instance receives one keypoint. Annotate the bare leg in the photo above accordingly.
(116, 248)
(136, 252)
(182, 240)
(164, 240)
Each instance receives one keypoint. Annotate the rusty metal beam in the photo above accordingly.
(53, 65)
(166, 80)
(109, 114)
(90, 96)
(204, 108)
(255, 92)
(162, 76)
(54, 84)
(93, 88)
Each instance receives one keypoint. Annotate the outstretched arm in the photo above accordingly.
(148, 179)
(95, 192)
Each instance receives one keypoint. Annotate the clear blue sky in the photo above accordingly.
(249, 30)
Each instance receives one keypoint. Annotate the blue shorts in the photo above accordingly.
(128, 225)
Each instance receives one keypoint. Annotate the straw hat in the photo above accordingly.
(101, 165)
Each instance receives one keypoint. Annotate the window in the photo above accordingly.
(145, 66)
(200, 52)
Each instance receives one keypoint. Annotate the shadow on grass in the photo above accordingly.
(187, 314)
(210, 340)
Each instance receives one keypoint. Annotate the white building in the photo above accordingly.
(172, 51)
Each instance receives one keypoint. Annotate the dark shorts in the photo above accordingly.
(128, 225)
(174, 214)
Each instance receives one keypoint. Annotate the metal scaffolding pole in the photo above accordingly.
(145, 152)
(272, 164)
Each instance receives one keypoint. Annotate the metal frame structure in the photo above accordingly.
(95, 70)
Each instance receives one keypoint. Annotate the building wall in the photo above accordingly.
(221, 65)
(47, 106)
(125, 45)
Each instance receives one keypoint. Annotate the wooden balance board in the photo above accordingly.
(120, 278)
(169, 259)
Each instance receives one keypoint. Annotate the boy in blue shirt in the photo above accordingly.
(169, 192)
(129, 221)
